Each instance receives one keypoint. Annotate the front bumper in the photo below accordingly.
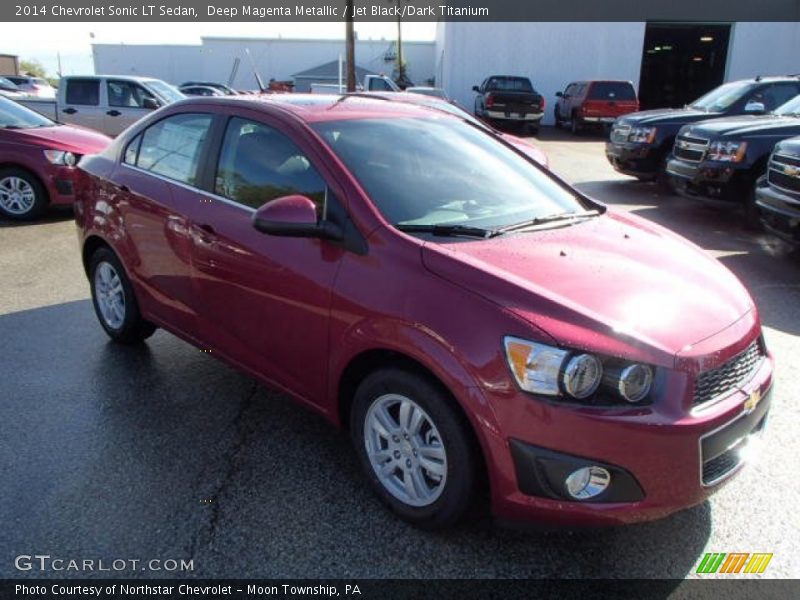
(514, 116)
(637, 160)
(780, 212)
(662, 460)
(708, 179)
(59, 181)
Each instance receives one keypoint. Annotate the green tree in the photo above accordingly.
(33, 67)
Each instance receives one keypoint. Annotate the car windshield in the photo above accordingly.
(16, 116)
(790, 108)
(509, 84)
(442, 171)
(164, 90)
(722, 97)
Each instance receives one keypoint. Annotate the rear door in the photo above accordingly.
(82, 104)
(125, 105)
(157, 166)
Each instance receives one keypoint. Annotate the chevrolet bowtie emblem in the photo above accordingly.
(751, 402)
(791, 171)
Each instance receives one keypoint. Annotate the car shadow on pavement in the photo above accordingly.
(159, 450)
(54, 214)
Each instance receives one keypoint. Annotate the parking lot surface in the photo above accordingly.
(161, 452)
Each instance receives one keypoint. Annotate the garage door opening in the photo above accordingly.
(681, 62)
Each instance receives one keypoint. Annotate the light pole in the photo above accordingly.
(350, 48)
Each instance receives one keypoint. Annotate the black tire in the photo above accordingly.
(575, 125)
(8, 206)
(531, 129)
(459, 485)
(557, 117)
(752, 214)
(132, 329)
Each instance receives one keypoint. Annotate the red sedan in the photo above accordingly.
(464, 313)
(37, 160)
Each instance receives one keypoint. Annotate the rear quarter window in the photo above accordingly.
(612, 90)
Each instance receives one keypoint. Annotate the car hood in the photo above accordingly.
(745, 126)
(615, 284)
(63, 137)
(661, 116)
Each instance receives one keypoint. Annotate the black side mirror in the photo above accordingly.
(475, 88)
(559, 94)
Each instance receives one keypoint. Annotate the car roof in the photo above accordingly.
(312, 108)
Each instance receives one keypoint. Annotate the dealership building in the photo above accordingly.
(669, 63)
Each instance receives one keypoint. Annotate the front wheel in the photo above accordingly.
(414, 447)
(22, 197)
(114, 301)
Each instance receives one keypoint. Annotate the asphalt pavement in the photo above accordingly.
(161, 452)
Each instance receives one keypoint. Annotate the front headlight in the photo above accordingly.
(727, 151)
(548, 371)
(642, 135)
(60, 157)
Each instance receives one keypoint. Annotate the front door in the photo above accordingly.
(263, 301)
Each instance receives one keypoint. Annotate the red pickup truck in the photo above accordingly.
(594, 103)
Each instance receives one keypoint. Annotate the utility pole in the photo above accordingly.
(350, 44)
(401, 68)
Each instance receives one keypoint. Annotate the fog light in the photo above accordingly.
(587, 482)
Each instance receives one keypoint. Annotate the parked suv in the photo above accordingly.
(506, 99)
(640, 143)
(593, 103)
(778, 194)
(422, 284)
(721, 159)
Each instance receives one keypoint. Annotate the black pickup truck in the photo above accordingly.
(509, 99)
(778, 193)
(722, 159)
(640, 142)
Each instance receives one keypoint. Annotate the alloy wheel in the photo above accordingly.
(110, 295)
(17, 196)
(405, 450)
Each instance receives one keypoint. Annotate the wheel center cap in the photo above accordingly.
(406, 448)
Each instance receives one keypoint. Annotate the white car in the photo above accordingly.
(33, 86)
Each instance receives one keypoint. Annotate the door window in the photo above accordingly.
(84, 92)
(774, 95)
(127, 94)
(172, 147)
(258, 164)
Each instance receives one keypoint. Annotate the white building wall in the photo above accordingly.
(171, 63)
(550, 54)
(214, 58)
(763, 49)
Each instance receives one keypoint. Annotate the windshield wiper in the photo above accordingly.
(565, 216)
(444, 229)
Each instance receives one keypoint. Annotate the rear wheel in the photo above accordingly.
(557, 117)
(575, 125)
(22, 196)
(414, 447)
(114, 300)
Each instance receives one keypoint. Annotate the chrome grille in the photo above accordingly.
(690, 148)
(784, 173)
(737, 371)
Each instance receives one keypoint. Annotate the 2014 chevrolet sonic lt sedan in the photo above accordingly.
(472, 320)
